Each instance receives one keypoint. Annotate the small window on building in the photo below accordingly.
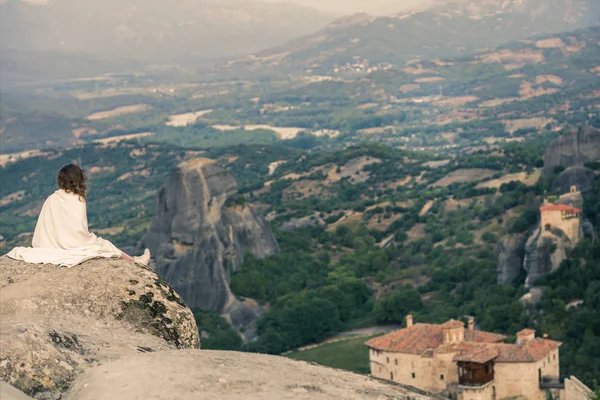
(388, 360)
(548, 227)
(413, 375)
(554, 357)
(441, 377)
(391, 375)
(396, 361)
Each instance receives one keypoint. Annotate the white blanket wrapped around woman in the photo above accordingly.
(61, 235)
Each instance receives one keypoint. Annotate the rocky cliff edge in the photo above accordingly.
(108, 329)
(209, 375)
(56, 322)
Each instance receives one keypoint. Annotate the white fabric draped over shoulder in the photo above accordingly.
(61, 235)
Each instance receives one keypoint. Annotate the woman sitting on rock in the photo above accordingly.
(61, 235)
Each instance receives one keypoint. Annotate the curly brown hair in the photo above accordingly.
(72, 180)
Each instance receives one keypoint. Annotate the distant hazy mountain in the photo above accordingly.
(373, 7)
(154, 29)
(448, 28)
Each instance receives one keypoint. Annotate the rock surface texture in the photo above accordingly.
(510, 251)
(574, 148)
(208, 375)
(56, 322)
(544, 252)
(199, 236)
(581, 177)
(8, 392)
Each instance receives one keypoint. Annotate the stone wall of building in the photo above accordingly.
(511, 380)
(485, 392)
(514, 379)
(427, 373)
(570, 226)
(575, 390)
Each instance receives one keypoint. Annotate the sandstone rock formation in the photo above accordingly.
(8, 392)
(199, 236)
(208, 375)
(573, 149)
(544, 252)
(510, 251)
(581, 177)
(56, 322)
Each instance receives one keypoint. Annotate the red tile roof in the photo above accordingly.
(413, 340)
(481, 336)
(420, 337)
(477, 353)
(560, 207)
(532, 351)
(478, 346)
(482, 353)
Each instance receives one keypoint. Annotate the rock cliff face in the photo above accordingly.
(511, 251)
(57, 322)
(581, 177)
(544, 252)
(208, 375)
(199, 236)
(573, 149)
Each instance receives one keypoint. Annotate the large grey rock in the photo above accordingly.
(199, 236)
(8, 392)
(544, 252)
(56, 322)
(208, 375)
(510, 252)
(581, 177)
(573, 149)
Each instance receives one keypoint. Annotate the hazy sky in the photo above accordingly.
(374, 7)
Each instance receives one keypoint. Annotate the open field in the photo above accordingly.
(283, 132)
(523, 177)
(436, 164)
(464, 175)
(274, 165)
(11, 198)
(513, 125)
(186, 119)
(14, 157)
(426, 208)
(117, 139)
(351, 355)
(115, 112)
